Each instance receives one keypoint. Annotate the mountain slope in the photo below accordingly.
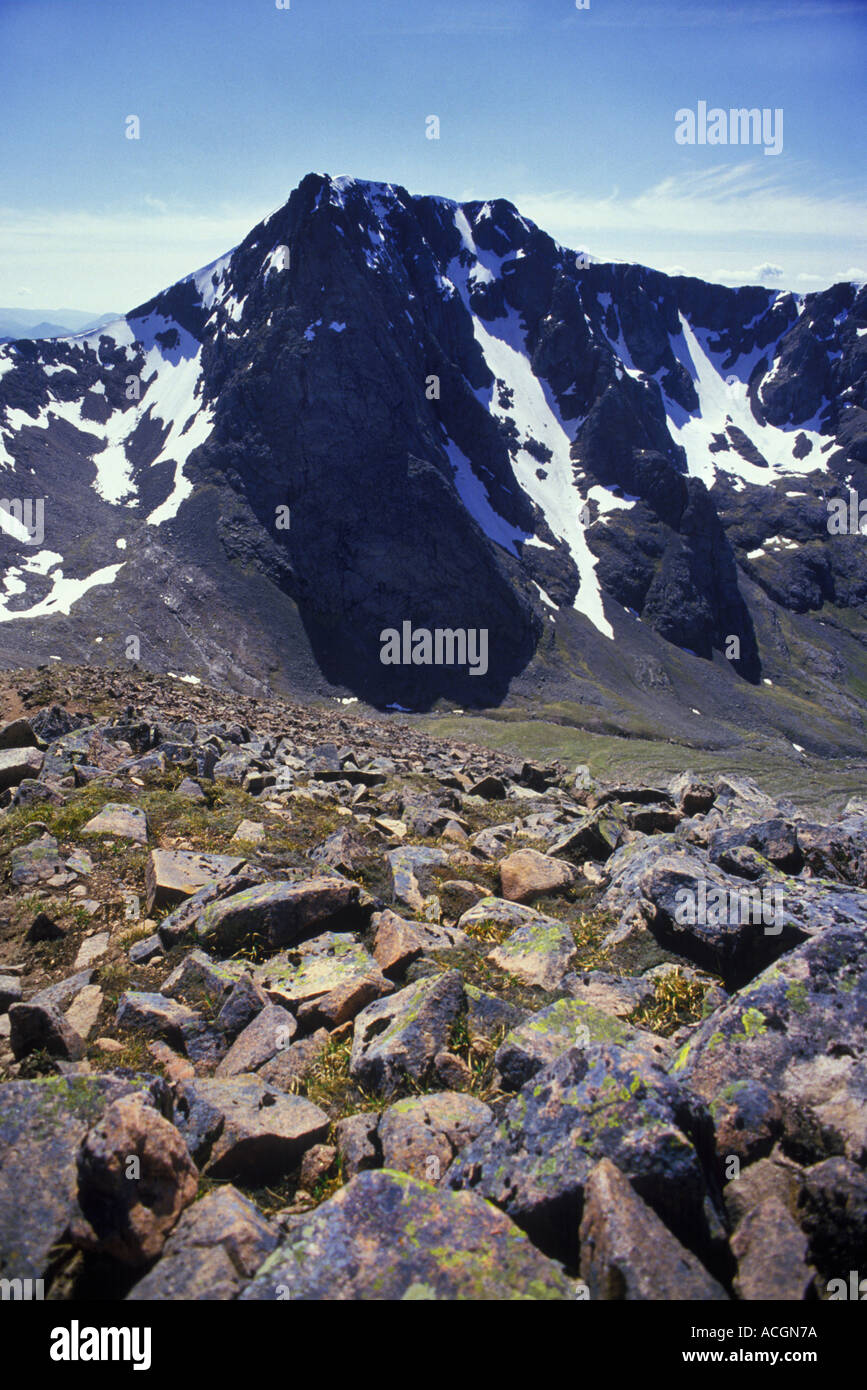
(622, 476)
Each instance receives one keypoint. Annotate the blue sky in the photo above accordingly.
(569, 113)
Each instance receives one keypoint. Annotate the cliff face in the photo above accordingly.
(382, 408)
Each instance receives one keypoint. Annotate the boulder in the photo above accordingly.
(628, 1254)
(242, 1129)
(383, 1235)
(400, 1036)
(135, 1177)
(218, 1244)
(173, 875)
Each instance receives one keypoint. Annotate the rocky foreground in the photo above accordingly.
(299, 1005)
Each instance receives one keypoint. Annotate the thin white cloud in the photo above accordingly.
(114, 259)
(729, 199)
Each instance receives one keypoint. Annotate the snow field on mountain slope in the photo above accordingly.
(170, 382)
(721, 404)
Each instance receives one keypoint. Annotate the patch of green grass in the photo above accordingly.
(677, 1000)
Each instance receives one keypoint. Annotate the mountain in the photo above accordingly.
(47, 323)
(383, 409)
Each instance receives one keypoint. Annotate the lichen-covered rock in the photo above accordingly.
(626, 1251)
(35, 862)
(546, 1035)
(388, 1236)
(315, 969)
(800, 1032)
(242, 1129)
(123, 822)
(284, 913)
(537, 953)
(217, 1245)
(42, 1124)
(400, 1036)
(422, 1134)
(135, 1177)
(601, 1101)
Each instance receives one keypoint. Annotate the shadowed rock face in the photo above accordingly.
(382, 409)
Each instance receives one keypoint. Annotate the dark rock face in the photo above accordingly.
(382, 409)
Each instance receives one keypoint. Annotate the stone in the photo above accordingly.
(249, 832)
(832, 1212)
(173, 875)
(191, 791)
(135, 1177)
(628, 1254)
(157, 1016)
(399, 1037)
(527, 874)
(421, 1135)
(489, 1017)
(83, 1012)
(318, 967)
(490, 787)
(244, 1001)
(198, 974)
(16, 764)
(293, 1064)
(601, 1101)
(453, 1071)
(397, 943)
(595, 836)
(567, 1023)
(10, 992)
(382, 1237)
(142, 952)
(272, 1029)
(411, 867)
(40, 1027)
(282, 914)
(182, 922)
(538, 953)
(92, 949)
(61, 994)
(42, 1124)
(357, 1142)
(316, 1164)
(35, 862)
(342, 1003)
(797, 1031)
(17, 734)
(771, 1253)
(242, 1129)
(218, 1244)
(123, 822)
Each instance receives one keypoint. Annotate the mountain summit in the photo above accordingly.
(384, 409)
